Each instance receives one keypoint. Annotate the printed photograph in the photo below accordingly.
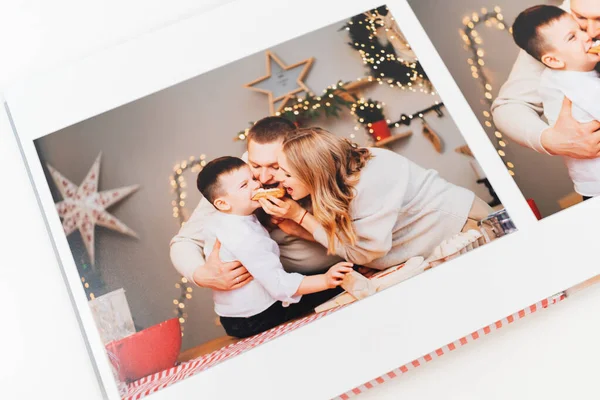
(529, 71)
(236, 206)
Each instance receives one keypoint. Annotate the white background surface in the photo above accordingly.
(550, 355)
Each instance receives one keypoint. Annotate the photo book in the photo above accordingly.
(305, 200)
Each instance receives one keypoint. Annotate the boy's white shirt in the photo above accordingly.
(583, 89)
(518, 109)
(243, 238)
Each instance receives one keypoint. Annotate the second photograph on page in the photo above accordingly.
(529, 71)
(209, 215)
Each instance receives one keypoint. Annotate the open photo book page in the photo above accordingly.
(338, 185)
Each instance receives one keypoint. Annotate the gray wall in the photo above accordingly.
(540, 177)
(141, 142)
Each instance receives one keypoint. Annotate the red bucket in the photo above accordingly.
(151, 350)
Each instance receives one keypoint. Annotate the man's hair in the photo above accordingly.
(208, 181)
(270, 129)
(526, 29)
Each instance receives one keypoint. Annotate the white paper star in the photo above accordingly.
(84, 207)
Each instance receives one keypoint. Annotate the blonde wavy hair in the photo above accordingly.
(330, 167)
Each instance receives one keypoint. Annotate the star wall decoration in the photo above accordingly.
(84, 207)
(281, 82)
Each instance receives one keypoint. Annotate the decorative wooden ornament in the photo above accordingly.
(281, 82)
(393, 138)
(464, 150)
(433, 137)
(353, 90)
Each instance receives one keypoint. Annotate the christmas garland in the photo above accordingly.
(382, 59)
(310, 107)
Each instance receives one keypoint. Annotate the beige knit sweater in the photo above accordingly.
(400, 211)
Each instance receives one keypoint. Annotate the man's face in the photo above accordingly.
(262, 159)
(587, 14)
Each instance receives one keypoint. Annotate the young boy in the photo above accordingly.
(274, 296)
(553, 37)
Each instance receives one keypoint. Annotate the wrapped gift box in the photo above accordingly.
(112, 315)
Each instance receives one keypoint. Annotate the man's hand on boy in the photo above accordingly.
(218, 275)
(570, 138)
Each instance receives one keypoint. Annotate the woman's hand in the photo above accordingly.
(336, 274)
(282, 208)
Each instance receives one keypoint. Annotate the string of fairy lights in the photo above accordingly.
(330, 102)
(178, 185)
(385, 65)
(474, 44)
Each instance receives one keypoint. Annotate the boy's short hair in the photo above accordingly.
(526, 28)
(208, 178)
(270, 129)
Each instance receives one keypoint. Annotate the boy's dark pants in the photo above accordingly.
(276, 314)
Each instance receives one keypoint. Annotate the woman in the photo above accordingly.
(371, 207)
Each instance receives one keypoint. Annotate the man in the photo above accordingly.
(518, 108)
(299, 252)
